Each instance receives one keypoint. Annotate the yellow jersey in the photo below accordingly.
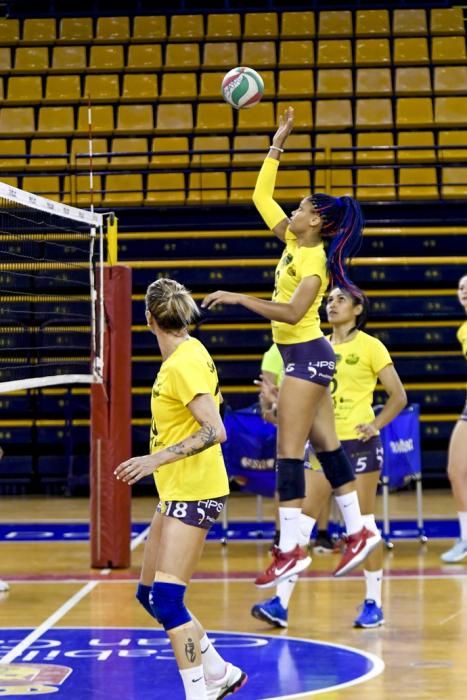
(462, 337)
(296, 263)
(358, 363)
(272, 362)
(188, 372)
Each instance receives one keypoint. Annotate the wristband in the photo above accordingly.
(276, 148)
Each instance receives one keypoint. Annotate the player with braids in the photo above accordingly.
(305, 406)
(186, 460)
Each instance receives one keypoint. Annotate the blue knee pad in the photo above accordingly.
(142, 596)
(166, 601)
(337, 467)
(290, 479)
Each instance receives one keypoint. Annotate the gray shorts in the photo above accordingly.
(314, 361)
(201, 514)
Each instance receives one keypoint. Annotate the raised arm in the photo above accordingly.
(273, 215)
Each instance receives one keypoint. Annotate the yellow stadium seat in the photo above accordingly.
(179, 86)
(220, 55)
(123, 190)
(415, 138)
(144, 57)
(335, 82)
(447, 21)
(223, 27)
(450, 80)
(106, 58)
(56, 120)
(418, 183)
(372, 52)
(413, 81)
(409, 23)
(137, 145)
(63, 89)
(218, 117)
(302, 155)
(292, 185)
(39, 31)
(375, 141)
(102, 120)
(454, 183)
(296, 54)
(9, 32)
(211, 143)
(24, 90)
(77, 190)
(2, 93)
(261, 54)
(150, 28)
(31, 59)
(80, 152)
(338, 183)
(372, 23)
(207, 188)
(176, 148)
(303, 118)
(295, 83)
(373, 82)
(210, 87)
(452, 138)
(182, 56)
(43, 185)
(17, 120)
(5, 59)
(376, 184)
(412, 51)
(138, 87)
(335, 23)
(165, 188)
(174, 117)
(260, 25)
(333, 114)
(256, 146)
(451, 111)
(69, 59)
(43, 150)
(261, 118)
(112, 30)
(414, 111)
(76, 30)
(12, 181)
(186, 28)
(101, 88)
(13, 147)
(374, 113)
(334, 52)
(448, 49)
(242, 185)
(329, 143)
(135, 118)
(297, 25)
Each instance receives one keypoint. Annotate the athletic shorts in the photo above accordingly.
(463, 415)
(365, 457)
(314, 361)
(201, 514)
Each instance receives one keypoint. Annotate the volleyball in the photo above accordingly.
(242, 87)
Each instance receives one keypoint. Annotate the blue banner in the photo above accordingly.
(401, 442)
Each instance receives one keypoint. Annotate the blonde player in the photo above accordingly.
(305, 403)
(192, 483)
(457, 455)
(361, 361)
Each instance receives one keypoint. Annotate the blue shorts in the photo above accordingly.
(201, 514)
(365, 457)
(314, 361)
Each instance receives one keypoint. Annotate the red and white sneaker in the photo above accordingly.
(283, 566)
(357, 548)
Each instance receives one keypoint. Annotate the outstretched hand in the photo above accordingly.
(284, 128)
(220, 297)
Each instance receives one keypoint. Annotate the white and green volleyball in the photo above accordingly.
(242, 87)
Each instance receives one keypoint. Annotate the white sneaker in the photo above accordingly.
(233, 680)
(4, 587)
(457, 553)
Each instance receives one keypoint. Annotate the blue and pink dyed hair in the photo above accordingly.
(343, 224)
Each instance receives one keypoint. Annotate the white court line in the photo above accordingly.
(140, 538)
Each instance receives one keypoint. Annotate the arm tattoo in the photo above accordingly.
(190, 651)
(205, 437)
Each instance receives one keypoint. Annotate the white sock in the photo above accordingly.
(213, 663)
(306, 525)
(374, 584)
(193, 682)
(284, 590)
(350, 509)
(463, 525)
(290, 528)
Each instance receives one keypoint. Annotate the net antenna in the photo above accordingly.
(51, 292)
